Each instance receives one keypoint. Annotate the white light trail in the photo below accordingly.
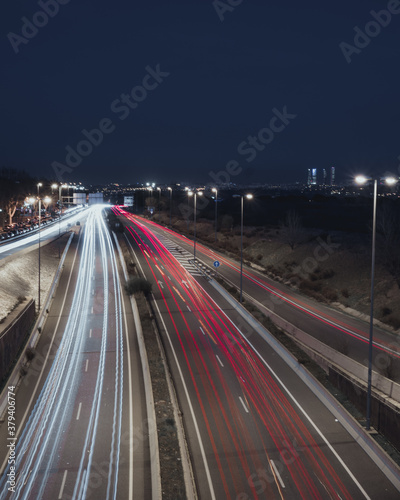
(39, 444)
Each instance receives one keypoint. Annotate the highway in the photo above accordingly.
(47, 232)
(80, 415)
(338, 330)
(254, 429)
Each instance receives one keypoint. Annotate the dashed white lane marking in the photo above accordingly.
(219, 361)
(86, 366)
(244, 406)
(189, 308)
(79, 411)
(275, 470)
(90, 333)
(63, 484)
(201, 329)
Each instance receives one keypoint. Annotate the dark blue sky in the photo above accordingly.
(220, 82)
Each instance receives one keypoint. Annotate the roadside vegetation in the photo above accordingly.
(330, 267)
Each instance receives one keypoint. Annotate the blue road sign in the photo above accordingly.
(217, 263)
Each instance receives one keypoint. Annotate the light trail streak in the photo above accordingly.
(45, 232)
(38, 448)
(313, 312)
(273, 417)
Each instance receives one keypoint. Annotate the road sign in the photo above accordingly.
(217, 263)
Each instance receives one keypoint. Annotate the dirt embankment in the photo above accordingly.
(19, 275)
(331, 267)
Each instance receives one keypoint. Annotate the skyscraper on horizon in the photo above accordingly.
(314, 177)
(333, 175)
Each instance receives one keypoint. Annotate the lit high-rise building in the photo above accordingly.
(314, 176)
(309, 177)
(333, 172)
(324, 175)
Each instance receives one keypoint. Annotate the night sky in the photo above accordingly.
(201, 80)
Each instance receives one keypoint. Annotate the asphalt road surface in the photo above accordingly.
(345, 333)
(254, 429)
(80, 412)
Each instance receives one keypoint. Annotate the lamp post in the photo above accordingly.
(159, 197)
(215, 190)
(194, 194)
(59, 215)
(39, 185)
(170, 205)
(249, 197)
(360, 179)
(187, 217)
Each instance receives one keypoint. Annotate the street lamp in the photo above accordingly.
(46, 200)
(187, 218)
(170, 205)
(360, 179)
(215, 190)
(39, 185)
(60, 213)
(53, 187)
(194, 194)
(248, 197)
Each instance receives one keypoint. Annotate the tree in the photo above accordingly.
(291, 229)
(135, 285)
(15, 186)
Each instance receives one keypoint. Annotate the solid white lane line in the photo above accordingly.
(90, 332)
(276, 473)
(219, 361)
(63, 484)
(244, 406)
(86, 366)
(79, 411)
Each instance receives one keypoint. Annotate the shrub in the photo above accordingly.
(330, 294)
(385, 311)
(310, 285)
(30, 354)
(135, 285)
(345, 293)
(328, 273)
(393, 320)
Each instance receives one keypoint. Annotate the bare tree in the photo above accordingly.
(14, 187)
(291, 229)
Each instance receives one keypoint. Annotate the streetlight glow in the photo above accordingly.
(390, 181)
(360, 179)
(249, 196)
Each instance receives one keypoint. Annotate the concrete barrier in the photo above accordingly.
(14, 334)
